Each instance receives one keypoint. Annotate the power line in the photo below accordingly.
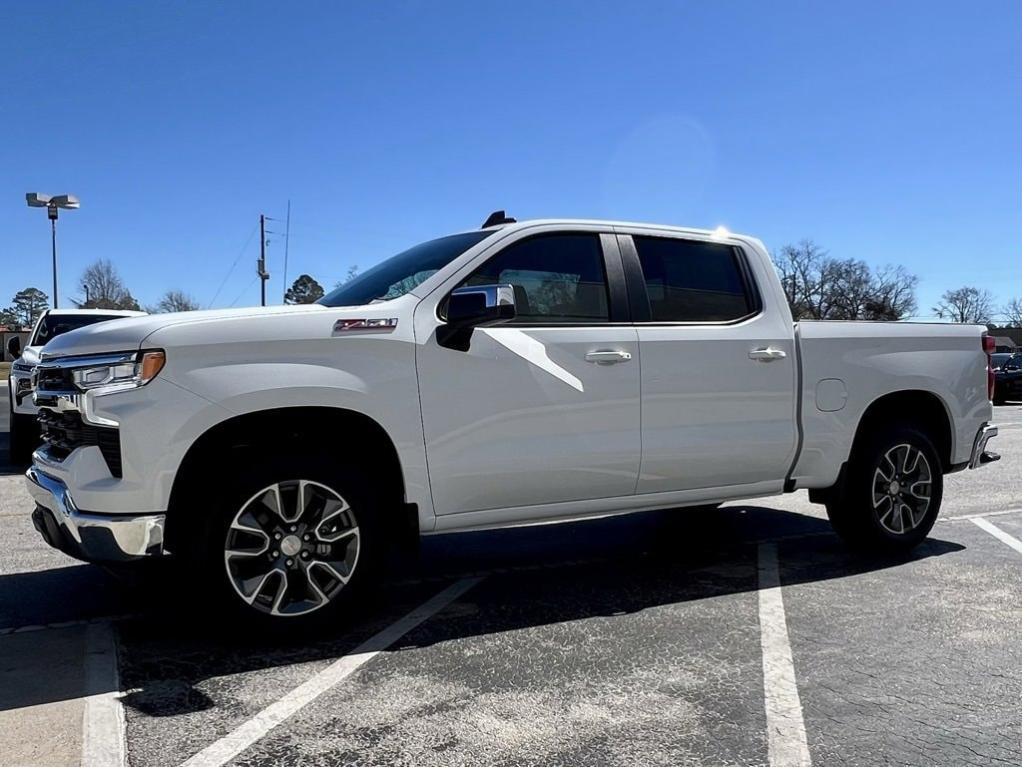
(231, 270)
(287, 242)
(245, 290)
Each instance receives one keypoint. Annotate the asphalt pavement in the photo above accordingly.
(744, 636)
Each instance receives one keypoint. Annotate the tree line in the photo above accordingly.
(103, 288)
(818, 286)
(822, 287)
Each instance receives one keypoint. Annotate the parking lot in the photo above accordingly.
(745, 636)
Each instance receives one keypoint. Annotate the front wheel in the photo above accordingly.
(292, 542)
(891, 493)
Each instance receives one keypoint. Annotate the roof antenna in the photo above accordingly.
(497, 217)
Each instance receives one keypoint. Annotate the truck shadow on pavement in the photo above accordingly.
(534, 577)
(6, 467)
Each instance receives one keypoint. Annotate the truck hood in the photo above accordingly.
(130, 333)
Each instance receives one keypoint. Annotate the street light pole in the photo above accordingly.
(53, 205)
(51, 211)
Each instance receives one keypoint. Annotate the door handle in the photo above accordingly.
(608, 357)
(768, 354)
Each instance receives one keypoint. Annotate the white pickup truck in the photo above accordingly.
(24, 434)
(517, 374)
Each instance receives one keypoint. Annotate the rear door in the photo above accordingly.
(717, 365)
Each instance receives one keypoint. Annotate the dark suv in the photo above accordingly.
(1008, 380)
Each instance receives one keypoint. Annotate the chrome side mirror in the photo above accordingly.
(472, 306)
(14, 346)
(481, 304)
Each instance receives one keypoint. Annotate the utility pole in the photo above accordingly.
(261, 267)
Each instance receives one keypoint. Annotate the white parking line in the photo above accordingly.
(998, 533)
(964, 517)
(103, 719)
(222, 751)
(786, 731)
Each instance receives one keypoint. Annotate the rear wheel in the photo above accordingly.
(292, 543)
(891, 493)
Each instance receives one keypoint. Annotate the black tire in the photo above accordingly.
(870, 522)
(24, 438)
(204, 545)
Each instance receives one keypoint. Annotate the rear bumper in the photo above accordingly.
(980, 456)
(87, 536)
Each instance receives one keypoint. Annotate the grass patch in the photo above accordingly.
(5, 371)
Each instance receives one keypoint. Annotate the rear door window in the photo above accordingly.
(693, 281)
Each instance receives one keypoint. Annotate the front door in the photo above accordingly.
(541, 410)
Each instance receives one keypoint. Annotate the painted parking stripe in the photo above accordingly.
(103, 719)
(224, 750)
(786, 731)
(970, 517)
(998, 533)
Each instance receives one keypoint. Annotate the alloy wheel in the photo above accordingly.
(902, 484)
(292, 547)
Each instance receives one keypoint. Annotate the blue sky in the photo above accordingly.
(884, 131)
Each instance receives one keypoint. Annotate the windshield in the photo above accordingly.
(53, 325)
(402, 273)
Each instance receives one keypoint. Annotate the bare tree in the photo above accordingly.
(893, 294)
(105, 289)
(824, 288)
(1012, 312)
(174, 301)
(799, 267)
(351, 274)
(966, 305)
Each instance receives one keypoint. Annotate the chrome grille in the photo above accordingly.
(64, 432)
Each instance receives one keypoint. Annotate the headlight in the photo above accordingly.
(128, 371)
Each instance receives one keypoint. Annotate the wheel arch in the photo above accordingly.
(918, 408)
(291, 428)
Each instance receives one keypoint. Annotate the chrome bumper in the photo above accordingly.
(91, 537)
(980, 456)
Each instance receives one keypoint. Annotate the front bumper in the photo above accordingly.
(980, 455)
(87, 536)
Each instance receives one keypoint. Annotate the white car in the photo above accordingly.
(51, 323)
(518, 374)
